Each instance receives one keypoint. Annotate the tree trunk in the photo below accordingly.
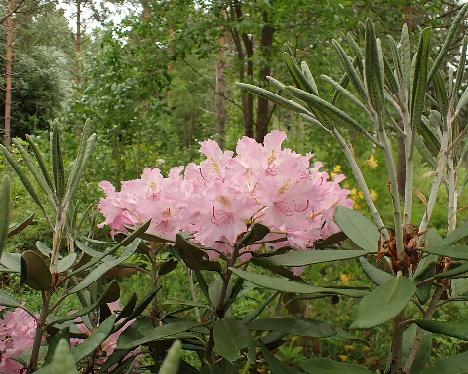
(146, 10)
(8, 73)
(219, 98)
(78, 42)
(263, 115)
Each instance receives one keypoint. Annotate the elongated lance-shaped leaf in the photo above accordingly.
(344, 92)
(460, 69)
(441, 93)
(357, 51)
(344, 80)
(462, 102)
(170, 364)
(424, 152)
(373, 71)
(308, 75)
(418, 91)
(453, 30)
(90, 145)
(313, 121)
(57, 163)
(15, 230)
(277, 99)
(35, 172)
(396, 62)
(351, 72)
(390, 79)
(329, 110)
(23, 178)
(4, 210)
(405, 56)
(41, 162)
(300, 80)
(431, 140)
(280, 86)
(79, 158)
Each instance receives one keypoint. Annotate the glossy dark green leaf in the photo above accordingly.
(93, 341)
(418, 91)
(158, 333)
(285, 285)
(35, 272)
(276, 366)
(141, 306)
(384, 303)
(459, 252)
(111, 293)
(358, 228)
(449, 365)
(295, 326)
(167, 266)
(7, 300)
(327, 366)
(15, 230)
(195, 257)
(375, 274)
(103, 268)
(309, 257)
(456, 329)
(231, 338)
(4, 210)
(256, 233)
(127, 310)
(66, 263)
(460, 233)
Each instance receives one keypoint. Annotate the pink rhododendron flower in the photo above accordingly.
(217, 200)
(17, 329)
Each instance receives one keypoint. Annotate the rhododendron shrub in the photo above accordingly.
(219, 199)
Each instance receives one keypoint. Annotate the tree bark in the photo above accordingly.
(219, 98)
(263, 115)
(8, 73)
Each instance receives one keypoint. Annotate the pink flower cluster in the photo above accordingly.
(219, 198)
(17, 329)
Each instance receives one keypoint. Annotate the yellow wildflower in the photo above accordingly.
(336, 171)
(371, 163)
(343, 358)
(373, 195)
(349, 348)
(344, 278)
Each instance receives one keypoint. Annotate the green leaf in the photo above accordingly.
(256, 233)
(35, 272)
(4, 211)
(93, 341)
(167, 266)
(298, 76)
(460, 69)
(405, 56)
(276, 366)
(12, 261)
(314, 256)
(343, 91)
(449, 365)
(351, 72)
(328, 110)
(111, 293)
(57, 163)
(170, 364)
(41, 162)
(22, 176)
(460, 233)
(375, 274)
(418, 92)
(8, 301)
(103, 268)
(327, 366)
(358, 228)
(193, 256)
(459, 252)
(441, 94)
(15, 230)
(424, 351)
(53, 342)
(141, 306)
(127, 310)
(43, 248)
(461, 269)
(453, 30)
(159, 333)
(456, 329)
(384, 303)
(66, 263)
(296, 326)
(284, 285)
(62, 362)
(277, 99)
(373, 70)
(231, 338)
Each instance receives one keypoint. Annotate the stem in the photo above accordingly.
(39, 331)
(397, 342)
(409, 147)
(391, 169)
(452, 196)
(420, 332)
(194, 294)
(361, 183)
(154, 284)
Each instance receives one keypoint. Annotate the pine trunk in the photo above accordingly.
(8, 73)
(219, 98)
